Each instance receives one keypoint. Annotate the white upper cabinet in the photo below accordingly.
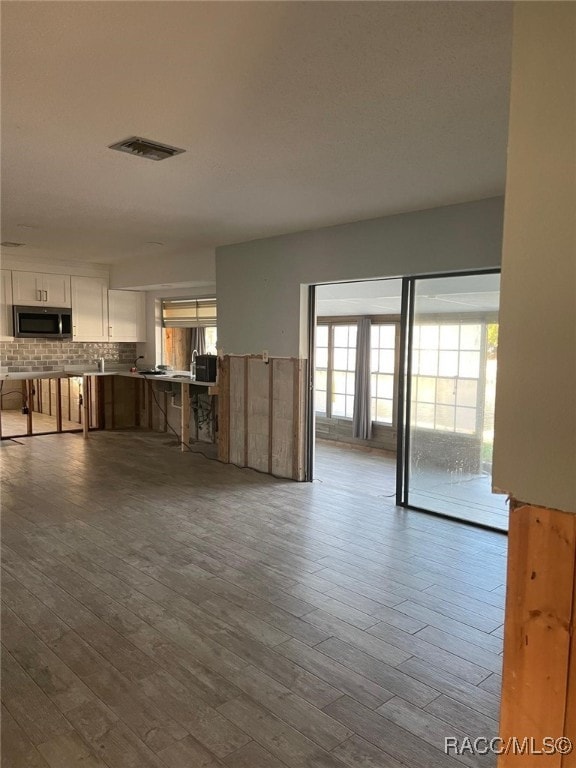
(36, 289)
(6, 329)
(57, 290)
(126, 316)
(97, 314)
(27, 288)
(89, 309)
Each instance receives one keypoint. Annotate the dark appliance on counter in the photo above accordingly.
(42, 322)
(206, 367)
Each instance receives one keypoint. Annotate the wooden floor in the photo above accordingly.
(15, 423)
(350, 467)
(161, 609)
(464, 497)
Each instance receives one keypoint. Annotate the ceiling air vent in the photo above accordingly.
(153, 150)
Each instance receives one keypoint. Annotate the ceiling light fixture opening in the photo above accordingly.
(151, 150)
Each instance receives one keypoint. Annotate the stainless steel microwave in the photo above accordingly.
(42, 322)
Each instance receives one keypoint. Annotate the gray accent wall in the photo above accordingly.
(262, 301)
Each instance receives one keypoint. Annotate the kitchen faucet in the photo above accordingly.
(134, 367)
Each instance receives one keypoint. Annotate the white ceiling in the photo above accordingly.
(438, 295)
(293, 116)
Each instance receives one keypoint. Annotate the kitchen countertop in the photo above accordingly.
(23, 375)
(181, 377)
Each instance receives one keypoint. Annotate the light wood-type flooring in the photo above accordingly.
(161, 609)
(349, 467)
(15, 423)
(465, 497)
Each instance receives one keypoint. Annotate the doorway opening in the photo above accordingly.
(356, 351)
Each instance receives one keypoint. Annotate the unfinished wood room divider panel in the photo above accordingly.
(236, 398)
(261, 416)
(539, 678)
(257, 398)
(122, 399)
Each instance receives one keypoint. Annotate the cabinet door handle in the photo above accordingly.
(45, 295)
(38, 294)
(110, 330)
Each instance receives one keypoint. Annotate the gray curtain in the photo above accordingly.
(362, 421)
(198, 340)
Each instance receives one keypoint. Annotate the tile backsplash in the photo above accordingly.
(50, 355)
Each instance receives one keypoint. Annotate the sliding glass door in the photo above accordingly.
(432, 369)
(450, 345)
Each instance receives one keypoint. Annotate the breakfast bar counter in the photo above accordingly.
(96, 399)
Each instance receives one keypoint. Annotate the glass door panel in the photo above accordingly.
(450, 398)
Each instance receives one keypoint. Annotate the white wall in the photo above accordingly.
(535, 437)
(194, 273)
(197, 267)
(261, 303)
(11, 259)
